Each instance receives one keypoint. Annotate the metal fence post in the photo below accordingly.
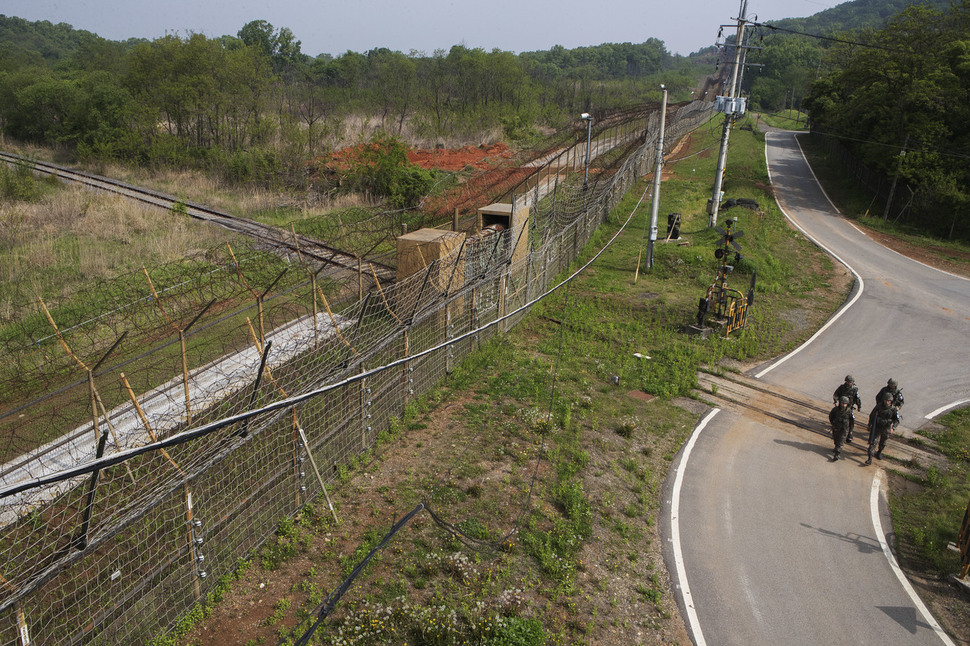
(365, 414)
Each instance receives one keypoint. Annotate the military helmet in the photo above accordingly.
(843, 399)
(849, 379)
(887, 397)
(892, 383)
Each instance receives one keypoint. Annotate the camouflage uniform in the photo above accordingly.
(882, 421)
(891, 387)
(840, 418)
(850, 390)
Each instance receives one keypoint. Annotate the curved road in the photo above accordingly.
(770, 542)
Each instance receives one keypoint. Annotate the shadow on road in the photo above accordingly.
(864, 544)
(823, 450)
(906, 617)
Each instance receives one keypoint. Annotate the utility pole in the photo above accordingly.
(892, 189)
(715, 201)
(657, 171)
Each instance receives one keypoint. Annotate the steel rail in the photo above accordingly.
(257, 230)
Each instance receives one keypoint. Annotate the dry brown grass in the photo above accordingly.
(356, 128)
(75, 236)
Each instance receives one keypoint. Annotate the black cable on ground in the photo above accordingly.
(328, 605)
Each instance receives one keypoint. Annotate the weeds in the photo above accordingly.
(627, 426)
(540, 466)
(929, 519)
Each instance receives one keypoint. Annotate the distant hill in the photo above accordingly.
(856, 14)
(45, 43)
(42, 39)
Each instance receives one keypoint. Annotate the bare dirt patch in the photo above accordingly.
(456, 159)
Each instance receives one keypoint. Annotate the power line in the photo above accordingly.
(921, 149)
(821, 37)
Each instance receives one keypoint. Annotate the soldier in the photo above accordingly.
(840, 418)
(882, 421)
(892, 387)
(850, 390)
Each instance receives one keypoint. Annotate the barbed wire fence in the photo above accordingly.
(181, 425)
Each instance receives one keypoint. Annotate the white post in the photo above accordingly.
(657, 171)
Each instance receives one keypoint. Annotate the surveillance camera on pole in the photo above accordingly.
(588, 118)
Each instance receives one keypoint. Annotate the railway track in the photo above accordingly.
(751, 398)
(272, 237)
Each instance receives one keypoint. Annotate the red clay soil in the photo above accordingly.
(476, 191)
(446, 159)
(456, 159)
(493, 175)
(490, 166)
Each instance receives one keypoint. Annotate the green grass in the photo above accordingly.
(578, 475)
(928, 519)
(786, 119)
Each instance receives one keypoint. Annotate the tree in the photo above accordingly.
(789, 65)
(259, 34)
(382, 167)
(280, 46)
(906, 91)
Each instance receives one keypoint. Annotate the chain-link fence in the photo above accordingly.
(241, 394)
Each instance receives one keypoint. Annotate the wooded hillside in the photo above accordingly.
(253, 107)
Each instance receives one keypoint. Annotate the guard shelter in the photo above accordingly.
(512, 223)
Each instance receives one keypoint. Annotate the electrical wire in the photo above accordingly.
(821, 37)
(921, 149)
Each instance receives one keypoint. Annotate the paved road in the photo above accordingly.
(770, 541)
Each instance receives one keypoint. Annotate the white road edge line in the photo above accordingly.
(844, 308)
(692, 620)
(943, 409)
(877, 525)
(853, 224)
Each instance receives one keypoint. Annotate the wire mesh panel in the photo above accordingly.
(179, 425)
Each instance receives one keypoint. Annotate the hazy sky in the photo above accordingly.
(335, 26)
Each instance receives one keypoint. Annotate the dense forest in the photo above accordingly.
(899, 99)
(788, 55)
(888, 80)
(253, 107)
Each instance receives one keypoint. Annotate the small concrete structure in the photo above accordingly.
(513, 225)
(696, 330)
(417, 250)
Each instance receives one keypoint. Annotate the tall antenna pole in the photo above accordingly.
(728, 117)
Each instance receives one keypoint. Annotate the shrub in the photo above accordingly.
(382, 168)
(18, 183)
